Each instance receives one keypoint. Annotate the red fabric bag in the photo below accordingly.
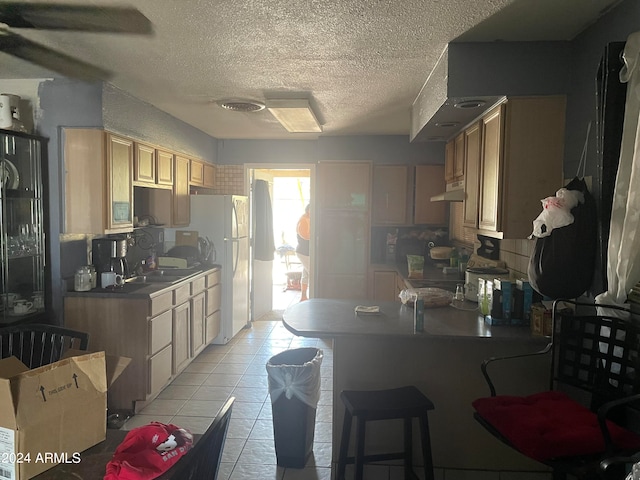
(148, 451)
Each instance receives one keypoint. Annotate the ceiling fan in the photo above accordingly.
(43, 16)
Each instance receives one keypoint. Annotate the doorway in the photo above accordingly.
(275, 285)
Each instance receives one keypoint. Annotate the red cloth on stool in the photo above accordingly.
(148, 451)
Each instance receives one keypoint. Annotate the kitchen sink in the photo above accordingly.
(174, 272)
(167, 275)
(156, 279)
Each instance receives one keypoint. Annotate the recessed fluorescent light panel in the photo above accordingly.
(295, 115)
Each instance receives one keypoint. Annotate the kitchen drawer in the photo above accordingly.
(197, 285)
(214, 298)
(214, 278)
(181, 294)
(212, 326)
(160, 369)
(161, 303)
(160, 331)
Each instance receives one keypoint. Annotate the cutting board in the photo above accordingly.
(187, 237)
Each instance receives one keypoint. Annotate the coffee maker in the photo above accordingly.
(109, 255)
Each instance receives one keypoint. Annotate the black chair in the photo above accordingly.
(203, 460)
(38, 344)
(586, 424)
(404, 403)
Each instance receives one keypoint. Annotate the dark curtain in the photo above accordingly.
(611, 96)
(263, 238)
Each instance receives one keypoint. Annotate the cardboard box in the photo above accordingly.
(50, 414)
(541, 323)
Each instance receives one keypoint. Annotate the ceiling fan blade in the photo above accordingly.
(58, 62)
(74, 17)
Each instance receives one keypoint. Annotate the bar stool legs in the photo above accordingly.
(404, 404)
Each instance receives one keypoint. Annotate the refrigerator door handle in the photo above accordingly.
(236, 254)
(234, 215)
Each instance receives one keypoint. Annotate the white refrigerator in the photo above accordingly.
(224, 219)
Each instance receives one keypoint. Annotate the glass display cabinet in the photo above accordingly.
(23, 286)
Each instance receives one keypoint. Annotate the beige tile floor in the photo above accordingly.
(238, 369)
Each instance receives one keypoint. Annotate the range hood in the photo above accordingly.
(453, 193)
(469, 78)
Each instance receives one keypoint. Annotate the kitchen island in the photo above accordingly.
(382, 351)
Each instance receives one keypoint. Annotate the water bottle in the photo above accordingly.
(418, 315)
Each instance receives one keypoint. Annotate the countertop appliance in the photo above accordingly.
(224, 219)
(480, 267)
(109, 255)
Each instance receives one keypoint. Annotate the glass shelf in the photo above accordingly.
(22, 225)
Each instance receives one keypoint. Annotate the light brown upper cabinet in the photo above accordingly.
(209, 175)
(391, 194)
(164, 168)
(449, 160)
(196, 173)
(458, 163)
(181, 202)
(429, 182)
(202, 174)
(144, 164)
(473, 145)
(454, 159)
(152, 167)
(521, 163)
(98, 182)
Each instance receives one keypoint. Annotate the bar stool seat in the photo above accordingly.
(403, 403)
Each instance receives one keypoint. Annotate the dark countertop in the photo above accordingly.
(430, 274)
(138, 290)
(319, 317)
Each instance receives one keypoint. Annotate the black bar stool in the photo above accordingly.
(398, 403)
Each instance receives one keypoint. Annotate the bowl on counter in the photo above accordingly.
(440, 253)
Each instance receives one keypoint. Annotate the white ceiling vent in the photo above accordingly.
(247, 106)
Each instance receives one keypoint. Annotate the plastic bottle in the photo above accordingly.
(453, 259)
(418, 315)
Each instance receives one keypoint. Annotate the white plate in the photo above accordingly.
(9, 174)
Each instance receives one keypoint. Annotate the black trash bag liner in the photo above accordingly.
(562, 264)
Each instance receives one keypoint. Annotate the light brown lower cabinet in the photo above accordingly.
(181, 337)
(386, 285)
(197, 323)
(213, 315)
(161, 333)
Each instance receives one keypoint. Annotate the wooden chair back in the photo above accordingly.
(39, 344)
(202, 462)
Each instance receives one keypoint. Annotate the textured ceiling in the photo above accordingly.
(361, 63)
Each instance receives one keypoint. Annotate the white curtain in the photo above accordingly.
(623, 255)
